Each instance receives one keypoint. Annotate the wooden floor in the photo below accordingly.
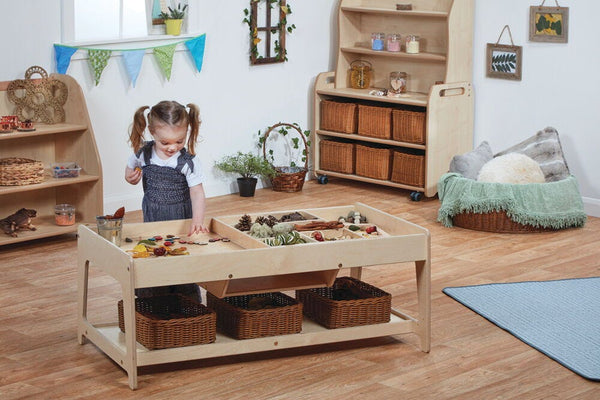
(470, 358)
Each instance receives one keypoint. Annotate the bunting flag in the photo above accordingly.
(63, 57)
(133, 63)
(98, 60)
(196, 48)
(98, 57)
(164, 56)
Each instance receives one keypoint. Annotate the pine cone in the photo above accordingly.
(261, 220)
(245, 223)
(271, 221)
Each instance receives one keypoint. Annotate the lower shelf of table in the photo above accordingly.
(312, 334)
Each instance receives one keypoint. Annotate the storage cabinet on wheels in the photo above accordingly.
(245, 265)
(424, 128)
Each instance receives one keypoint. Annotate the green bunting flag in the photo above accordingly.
(164, 56)
(98, 57)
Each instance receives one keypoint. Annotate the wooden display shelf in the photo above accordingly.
(44, 129)
(422, 56)
(45, 228)
(49, 182)
(389, 11)
(279, 268)
(362, 138)
(368, 180)
(411, 98)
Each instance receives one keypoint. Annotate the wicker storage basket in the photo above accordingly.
(408, 168)
(375, 121)
(373, 162)
(15, 171)
(408, 126)
(337, 156)
(162, 322)
(496, 221)
(288, 179)
(338, 117)
(236, 320)
(372, 306)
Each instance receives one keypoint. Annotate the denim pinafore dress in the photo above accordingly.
(166, 197)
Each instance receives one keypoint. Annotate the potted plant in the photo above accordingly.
(174, 19)
(248, 166)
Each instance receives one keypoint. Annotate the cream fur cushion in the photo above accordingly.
(511, 168)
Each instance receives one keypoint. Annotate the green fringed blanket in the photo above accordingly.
(554, 205)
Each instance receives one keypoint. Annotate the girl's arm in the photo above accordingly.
(198, 207)
(133, 176)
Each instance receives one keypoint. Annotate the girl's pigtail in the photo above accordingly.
(136, 137)
(194, 118)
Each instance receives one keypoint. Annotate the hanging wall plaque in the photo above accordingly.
(504, 61)
(549, 24)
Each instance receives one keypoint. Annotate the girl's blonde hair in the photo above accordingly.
(166, 112)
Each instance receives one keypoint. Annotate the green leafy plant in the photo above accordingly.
(294, 141)
(247, 165)
(174, 13)
(504, 62)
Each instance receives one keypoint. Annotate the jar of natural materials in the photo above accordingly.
(249, 166)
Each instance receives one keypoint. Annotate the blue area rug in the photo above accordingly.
(559, 318)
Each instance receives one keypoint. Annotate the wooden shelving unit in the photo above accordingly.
(247, 265)
(71, 141)
(438, 84)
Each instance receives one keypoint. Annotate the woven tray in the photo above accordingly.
(408, 169)
(162, 322)
(338, 117)
(375, 121)
(408, 126)
(236, 320)
(16, 171)
(372, 307)
(496, 221)
(337, 156)
(373, 162)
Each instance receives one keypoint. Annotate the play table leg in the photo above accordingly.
(83, 268)
(423, 270)
(356, 272)
(130, 362)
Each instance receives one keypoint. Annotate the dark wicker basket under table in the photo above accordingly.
(372, 305)
(163, 322)
(235, 319)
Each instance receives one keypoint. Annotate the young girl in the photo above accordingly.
(171, 175)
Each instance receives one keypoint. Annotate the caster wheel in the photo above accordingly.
(416, 196)
(323, 179)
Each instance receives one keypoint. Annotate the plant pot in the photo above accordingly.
(173, 26)
(247, 186)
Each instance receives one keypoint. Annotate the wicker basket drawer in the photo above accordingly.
(373, 162)
(237, 318)
(349, 302)
(337, 156)
(163, 322)
(408, 168)
(375, 121)
(408, 126)
(337, 116)
(16, 171)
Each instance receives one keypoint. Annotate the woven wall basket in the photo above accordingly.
(287, 178)
(16, 171)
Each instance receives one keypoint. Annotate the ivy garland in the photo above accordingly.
(280, 54)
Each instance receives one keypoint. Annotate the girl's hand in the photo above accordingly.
(133, 176)
(197, 227)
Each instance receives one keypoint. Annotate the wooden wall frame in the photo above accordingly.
(267, 43)
(504, 61)
(549, 24)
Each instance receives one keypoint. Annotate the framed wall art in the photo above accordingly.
(549, 24)
(504, 61)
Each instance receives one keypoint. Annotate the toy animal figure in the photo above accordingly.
(19, 220)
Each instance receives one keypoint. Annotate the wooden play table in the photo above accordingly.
(247, 265)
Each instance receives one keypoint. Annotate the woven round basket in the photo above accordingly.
(15, 171)
(287, 180)
(496, 221)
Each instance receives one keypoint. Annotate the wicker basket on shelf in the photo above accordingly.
(373, 162)
(16, 171)
(235, 317)
(408, 168)
(163, 322)
(337, 156)
(408, 126)
(375, 121)
(288, 178)
(366, 305)
(337, 116)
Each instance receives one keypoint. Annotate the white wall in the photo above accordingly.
(237, 99)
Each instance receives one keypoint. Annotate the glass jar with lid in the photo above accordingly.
(394, 42)
(412, 44)
(377, 40)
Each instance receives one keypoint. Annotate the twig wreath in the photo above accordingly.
(257, 33)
